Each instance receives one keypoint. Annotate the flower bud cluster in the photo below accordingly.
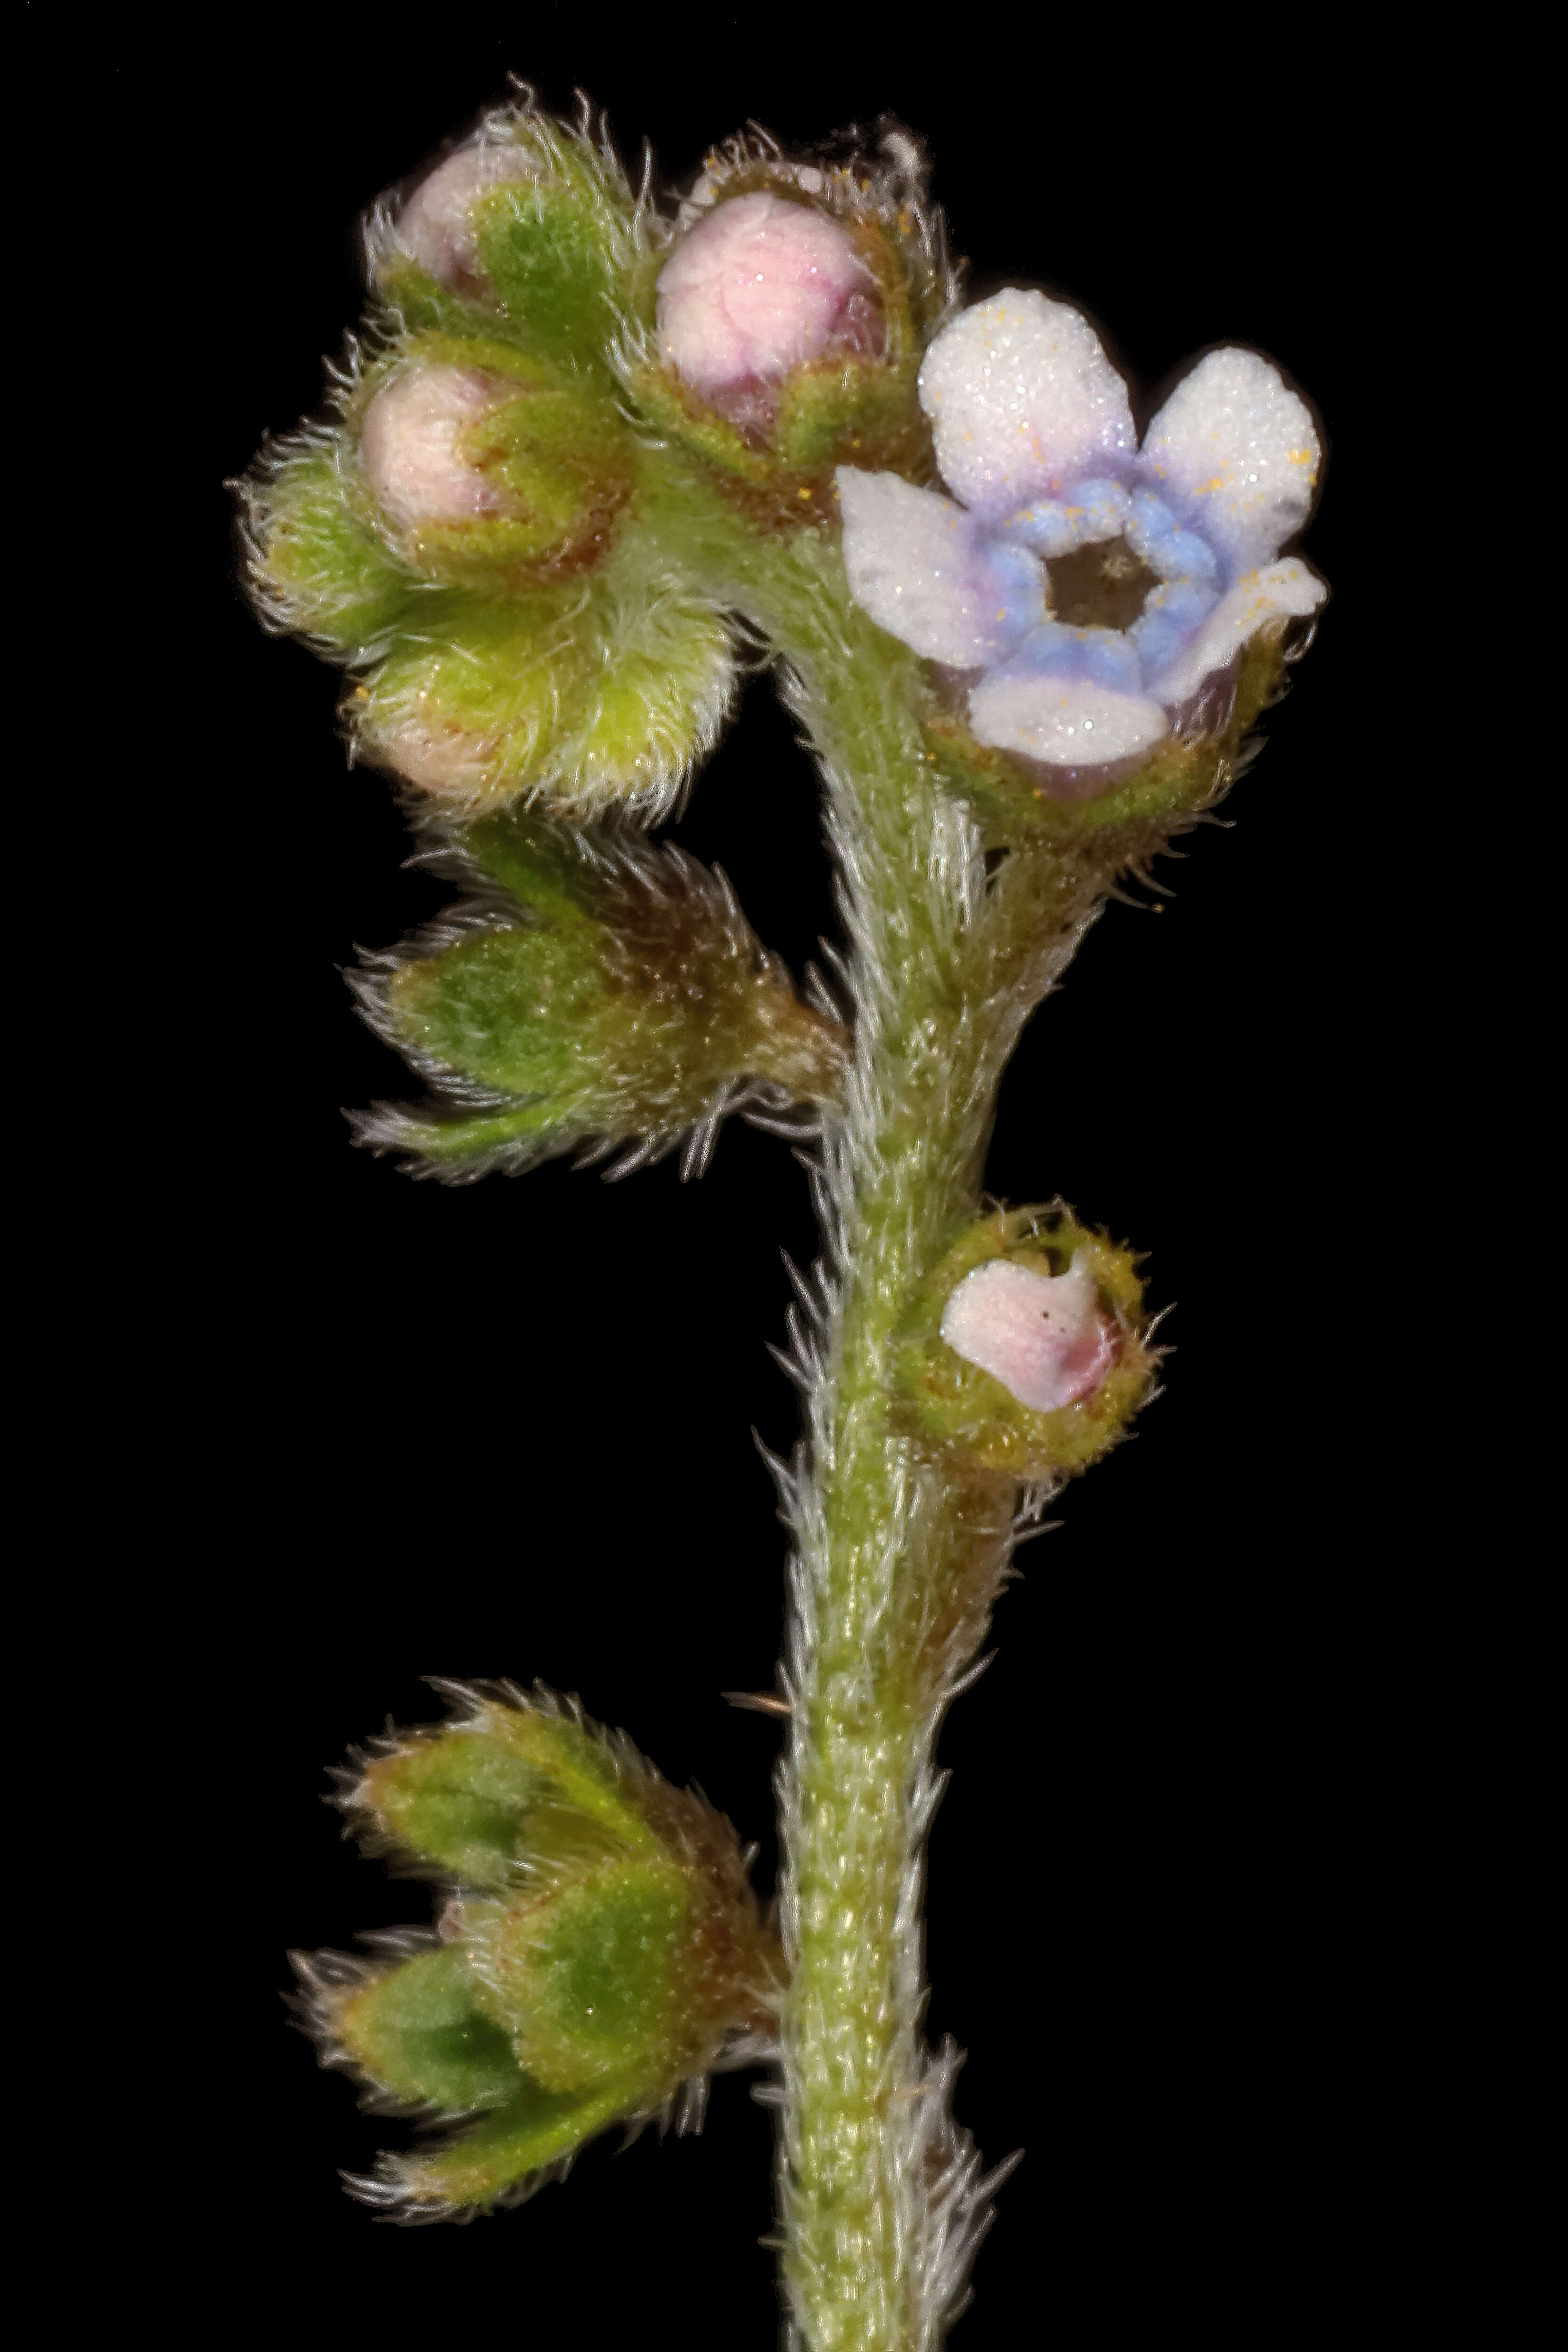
(476, 535)
(599, 1951)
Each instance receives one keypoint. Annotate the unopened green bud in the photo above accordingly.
(594, 693)
(603, 1950)
(1025, 1350)
(481, 535)
(624, 999)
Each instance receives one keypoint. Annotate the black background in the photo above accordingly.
(506, 1430)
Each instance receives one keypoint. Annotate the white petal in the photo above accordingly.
(917, 565)
(1021, 398)
(1068, 722)
(1285, 588)
(1240, 450)
(1041, 1335)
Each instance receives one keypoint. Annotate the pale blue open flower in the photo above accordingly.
(1035, 437)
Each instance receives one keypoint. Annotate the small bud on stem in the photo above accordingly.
(1023, 1349)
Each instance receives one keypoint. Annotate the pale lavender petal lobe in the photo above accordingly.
(1237, 450)
(1280, 591)
(917, 563)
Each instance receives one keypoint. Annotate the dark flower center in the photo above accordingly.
(1102, 587)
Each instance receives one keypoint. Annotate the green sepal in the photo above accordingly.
(669, 407)
(447, 1145)
(583, 1977)
(542, 864)
(557, 259)
(420, 2032)
(848, 411)
(515, 1009)
(943, 1400)
(421, 306)
(852, 411)
(505, 1789)
(1016, 800)
(561, 253)
(500, 2158)
(317, 562)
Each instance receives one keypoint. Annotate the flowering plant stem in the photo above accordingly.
(584, 454)
(898, 1557)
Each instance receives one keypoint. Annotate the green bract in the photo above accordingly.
(951, 1402)
(602, 1949)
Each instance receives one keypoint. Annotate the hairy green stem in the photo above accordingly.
(898, 1557)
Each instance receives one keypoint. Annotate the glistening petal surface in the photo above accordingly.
(1279, 590)
(1239, 451)
(1067, 722)
(1022, 400)
(917, 565)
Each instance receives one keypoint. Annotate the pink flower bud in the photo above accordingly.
(435, 227)
(408, 445)
(759, 287)
(1042, 1336)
